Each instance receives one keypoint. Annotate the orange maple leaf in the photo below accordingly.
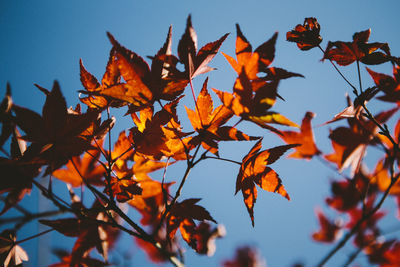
(85, 169)
(305, 138)
(160, 134)
(208, 122)
(125, 188)
(257, 61)
(254, 171)
(151, 202)
(111, 77)
(251, 100)
(383, 179)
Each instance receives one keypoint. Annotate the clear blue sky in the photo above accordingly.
(44, 40)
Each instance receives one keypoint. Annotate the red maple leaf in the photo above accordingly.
(58, 134)
(329, 231)
(85, 169)
(306, 36)
(345, 53)
(196, 62)
(390, 86)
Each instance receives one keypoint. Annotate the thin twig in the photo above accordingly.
(359, 76)
(18, 207)
(30, 217)
(32, 237)
(57, 201)
(223, 159)
(352, 257)
(340, 73)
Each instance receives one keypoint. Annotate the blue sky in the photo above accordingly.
(44, 40)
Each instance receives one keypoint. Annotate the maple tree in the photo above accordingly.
(68, 144)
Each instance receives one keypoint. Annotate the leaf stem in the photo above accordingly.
(29, 217)
(359, 76)
(352, 257)
(223, 159)
(32, 237)
(178, 192)
(340, 73)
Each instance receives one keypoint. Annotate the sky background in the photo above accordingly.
(42, 41)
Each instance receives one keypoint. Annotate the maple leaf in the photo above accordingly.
(348, 193)
(124, 188)
(17, 174)
(329, 231)
(350, 143)
(11, 254)
(251, 100)
(383, 180)
(246, 257)
(305, 138)
(357, 213)
(306, 36)
(182, 216)
(391, 255)
(345, 53)
(257, 61)
(111, 77)
(123, 152)
(88, 231)
(57, 135)
(254, 171)
(83, 170)
(151, 202)
(196, 62)
(144, 85)
(208, 122)
(205, 238)
(390, 86)
(142, 166)
(160, 134)
(354, 110)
